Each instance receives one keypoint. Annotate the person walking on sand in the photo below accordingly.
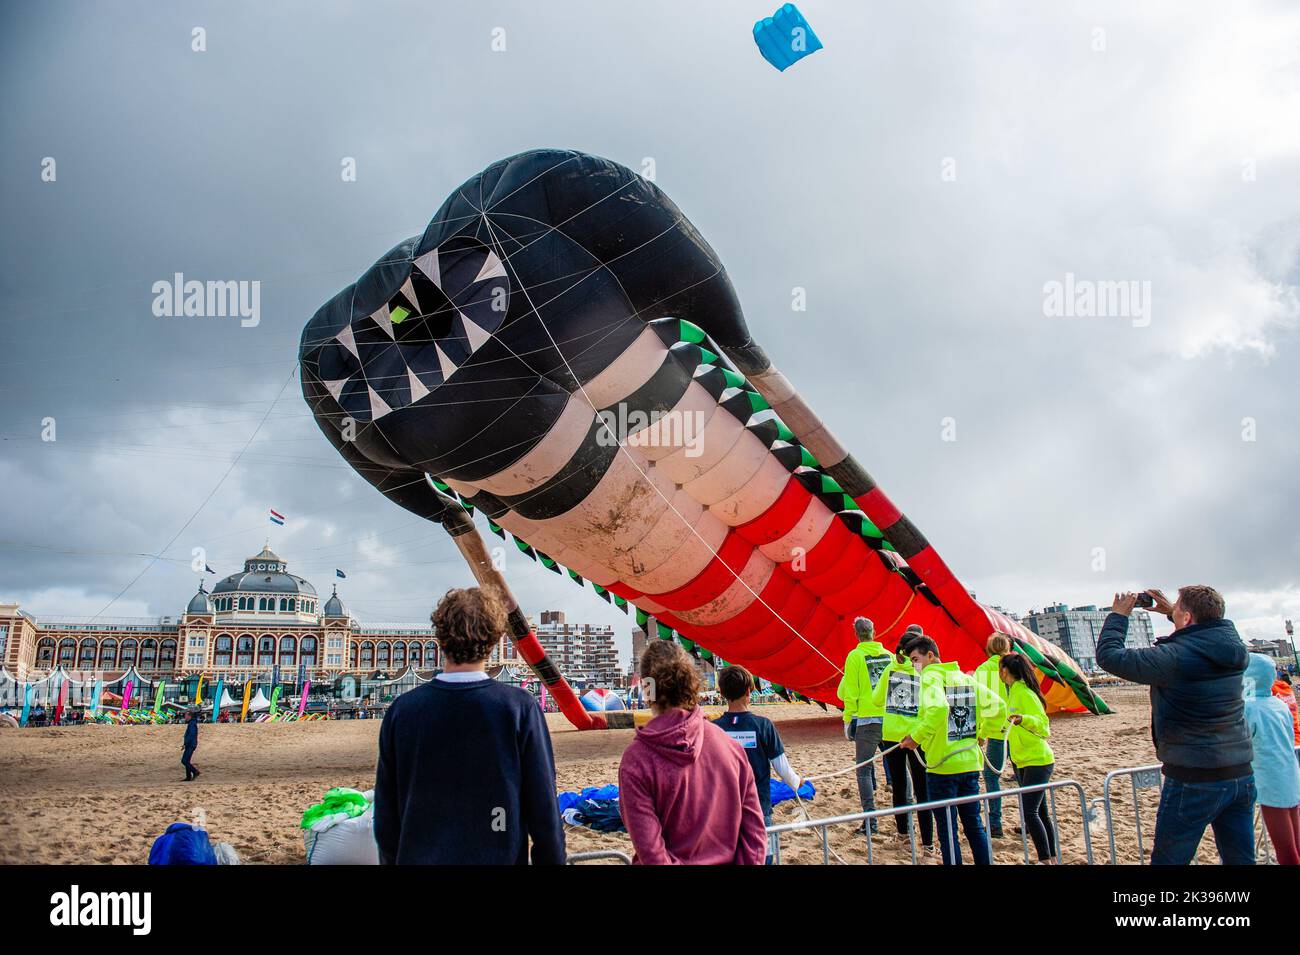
(190, 744)
(1027, 745)
(686, 791)
(757, 736)
(1277, 777)
(1198, 722)
(863, 719)
(466, 775)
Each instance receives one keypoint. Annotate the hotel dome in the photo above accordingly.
(264, 586)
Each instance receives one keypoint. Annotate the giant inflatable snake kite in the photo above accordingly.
(562, 350)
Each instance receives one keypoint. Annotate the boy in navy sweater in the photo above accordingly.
(466, 774)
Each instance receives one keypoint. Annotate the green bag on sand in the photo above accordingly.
(340, 801)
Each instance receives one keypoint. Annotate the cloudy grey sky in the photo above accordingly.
(923, 177)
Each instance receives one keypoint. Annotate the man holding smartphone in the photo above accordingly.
(1198, 721)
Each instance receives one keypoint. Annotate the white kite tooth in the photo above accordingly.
(477, 336)
(418, 389)
(378, 407)
(336, 387)
(428, 264)
(347, 341)
(492, 268)
(409, 291)
(382, 319)
(448, 366)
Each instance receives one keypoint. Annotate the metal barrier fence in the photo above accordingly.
(943, 805)
(578, 857)
(1140, 777)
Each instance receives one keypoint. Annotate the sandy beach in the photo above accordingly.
(100, 794)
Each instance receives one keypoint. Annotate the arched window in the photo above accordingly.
(367, 655)
(288, 651)
(383, 657)
(266, 650)
(45, 652)
(244, 651)
(87, 659)
(309, 651)
(149, 654)
(222, 650)
(399, 654)
(261, 603)
(243, 603)
(417, 655)
(431, 655)
(130, 649)
(108, 654)
(167, 655)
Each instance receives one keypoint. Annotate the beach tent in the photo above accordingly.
(227, 702)
(258, 702)
(599, 699)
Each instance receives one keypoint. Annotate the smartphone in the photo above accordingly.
(1146, 600)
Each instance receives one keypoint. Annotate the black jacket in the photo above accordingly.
(466, 775)
(1197, 715)
(191, 734)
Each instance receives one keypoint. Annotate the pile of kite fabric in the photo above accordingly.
(596, 807)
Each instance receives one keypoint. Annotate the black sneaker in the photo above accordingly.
(995, 832)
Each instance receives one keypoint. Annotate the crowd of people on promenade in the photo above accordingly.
(697, 791)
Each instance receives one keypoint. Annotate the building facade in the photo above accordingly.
(585, 654)
(264, 622)
(255, 623)
(1075, 630)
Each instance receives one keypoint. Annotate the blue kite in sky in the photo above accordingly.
(785, 37)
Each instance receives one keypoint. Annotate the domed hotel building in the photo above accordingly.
(255, 624)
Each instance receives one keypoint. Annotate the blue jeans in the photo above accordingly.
(996, 755)
(951, 786)
(1187, 808)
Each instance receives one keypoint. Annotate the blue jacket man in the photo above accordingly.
(190, 744)
(1198, 722)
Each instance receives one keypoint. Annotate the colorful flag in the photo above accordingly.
(302, 704)
(276, 517)
(216, 699)
(158, 697)
(248, 689)
(63, 699)
(27, 705)
(339, 573)
(126, 695)
(198, 693)
(275, 698)
(97, 695)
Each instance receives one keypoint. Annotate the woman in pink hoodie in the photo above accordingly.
(685, 789)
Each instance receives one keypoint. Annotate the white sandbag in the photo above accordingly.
(226, 854)
(345, 842)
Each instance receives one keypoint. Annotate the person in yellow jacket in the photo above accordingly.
(899, 692)
(1032, 756)
(955, 712)
(988, 676)
(863, 719)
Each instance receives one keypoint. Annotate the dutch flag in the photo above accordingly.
(276, 517)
